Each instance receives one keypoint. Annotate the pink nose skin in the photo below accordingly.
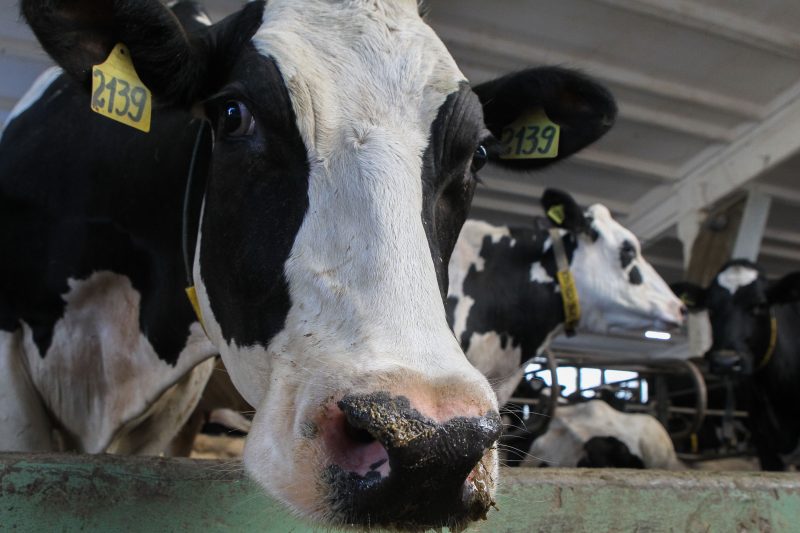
(354, 450)
(391, 466)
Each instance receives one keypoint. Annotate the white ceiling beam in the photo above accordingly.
(534, 192)
(478, 42)
(754, 153)
(783, 236)
(781, 252)
(719, 22)
(632, 165)
(782, 195)
(752, 226)
(673, 122)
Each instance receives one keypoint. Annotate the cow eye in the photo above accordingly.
(479, 158)
(236, 120)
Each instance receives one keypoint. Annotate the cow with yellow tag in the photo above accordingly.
(303, 167)
(580, 270)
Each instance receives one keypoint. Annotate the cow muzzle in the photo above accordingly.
(726, 362)
(391, 466)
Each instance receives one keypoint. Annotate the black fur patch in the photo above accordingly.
(507, 302)
(256, 200)
(446, 189)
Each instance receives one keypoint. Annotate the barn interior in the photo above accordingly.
(701, 164)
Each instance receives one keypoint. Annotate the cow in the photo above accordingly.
(505, 301)
(317, 160)
(753, 325)
(594, 434)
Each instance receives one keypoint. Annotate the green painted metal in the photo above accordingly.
(113, 493)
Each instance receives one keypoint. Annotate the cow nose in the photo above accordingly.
(684, 311)
(394, 467)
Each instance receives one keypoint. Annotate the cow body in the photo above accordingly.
(343, 161)
(753, 325)
(505, 301)
(594, 434)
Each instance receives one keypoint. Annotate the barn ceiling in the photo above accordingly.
(708, 92)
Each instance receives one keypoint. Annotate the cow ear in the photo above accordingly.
(563, 211)
(785, 290)
(692, 295)
(582, 109)
(172, 63)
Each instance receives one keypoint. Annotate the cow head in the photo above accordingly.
(739, 302)
(617, 288)
(345, 151)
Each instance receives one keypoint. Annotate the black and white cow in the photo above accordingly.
(504, 299)
(594, 434)
(754, 329)
(343, 160)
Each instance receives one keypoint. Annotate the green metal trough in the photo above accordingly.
(55, 493)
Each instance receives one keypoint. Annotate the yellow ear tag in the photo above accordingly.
(118, 93)
(532, 136)
(556, 214)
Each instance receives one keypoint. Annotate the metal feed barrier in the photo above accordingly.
(106, 493)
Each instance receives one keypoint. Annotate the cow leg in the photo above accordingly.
(151, 433)
(27, 425)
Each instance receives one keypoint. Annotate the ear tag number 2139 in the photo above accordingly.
(118, 93)
(533, 136)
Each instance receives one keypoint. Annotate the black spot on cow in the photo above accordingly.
(608, 452)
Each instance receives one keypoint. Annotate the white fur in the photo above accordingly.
(735, 277)
(499, 364)
(98, 377)
(573, 425)
(539, 274)
(33, 94)
(366, 85)
(608, 300)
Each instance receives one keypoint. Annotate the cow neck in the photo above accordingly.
(187, 217)
(566, 282)
(773, 341)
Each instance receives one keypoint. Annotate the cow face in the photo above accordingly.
(617, 288)
(739, 302)
(346, 143)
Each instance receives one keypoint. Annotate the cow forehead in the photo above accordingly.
(736, 276)
(612, 231)
(348, 65)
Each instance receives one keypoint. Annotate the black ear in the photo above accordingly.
(563, 211)
(785, 290)
(692, 295)
(583, 109)
(171, 62)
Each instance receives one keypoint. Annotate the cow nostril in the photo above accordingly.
(684, 311)
(361, 436)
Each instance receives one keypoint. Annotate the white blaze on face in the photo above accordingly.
(608, 298)
(735, 277)
(366, 80)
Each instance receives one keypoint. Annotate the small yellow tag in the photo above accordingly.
(569, 295)
(532, 136)
(118, 93)
(556, 214)
(191, 293)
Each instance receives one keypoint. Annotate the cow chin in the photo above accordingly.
(402, 456)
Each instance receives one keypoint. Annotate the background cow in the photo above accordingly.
(344, 156)
(594, 434)
(504, 299)
(754, 329)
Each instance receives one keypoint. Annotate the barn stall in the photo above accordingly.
(700, 166)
